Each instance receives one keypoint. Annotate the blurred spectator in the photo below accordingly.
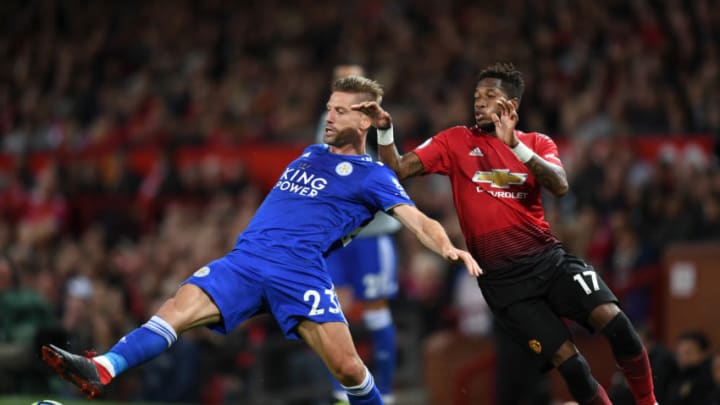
(45, 214)
(24, 313)
(629, 67)
(715, 396)
(77, 314)
(118, 176)
(694, 382)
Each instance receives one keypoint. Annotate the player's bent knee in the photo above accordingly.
(563, 353)
(624, 340)
(601, 315)
(349, 371)
(580, 382)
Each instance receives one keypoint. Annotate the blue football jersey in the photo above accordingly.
(318, 203)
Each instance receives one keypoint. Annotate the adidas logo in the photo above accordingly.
(476, 152)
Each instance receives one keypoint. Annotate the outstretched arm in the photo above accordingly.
(404, 166)
(431, 234)
(550, 175)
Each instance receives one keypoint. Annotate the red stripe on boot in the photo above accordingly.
(105, 376)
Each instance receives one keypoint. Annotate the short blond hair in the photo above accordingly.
(360, 85)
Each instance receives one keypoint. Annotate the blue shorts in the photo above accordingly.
(242, 285)
(368, 265)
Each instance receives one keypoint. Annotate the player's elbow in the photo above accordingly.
(403, 174)
(561, 189)
(406, 169)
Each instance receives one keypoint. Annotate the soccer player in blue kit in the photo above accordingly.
(366, 271)
(277, 265)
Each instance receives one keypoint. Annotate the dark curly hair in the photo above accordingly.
(511, 80)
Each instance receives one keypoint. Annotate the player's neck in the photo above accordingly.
(487, 128)
(356, 147)
(348, 149)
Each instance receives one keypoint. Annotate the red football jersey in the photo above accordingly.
(497, 198)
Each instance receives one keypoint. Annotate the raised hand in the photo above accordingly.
(379, 118)
(505, 120)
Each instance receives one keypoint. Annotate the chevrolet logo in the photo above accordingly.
(500, 178)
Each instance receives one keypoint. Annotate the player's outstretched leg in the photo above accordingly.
(190, 307)
(91, 374)
(631, 357)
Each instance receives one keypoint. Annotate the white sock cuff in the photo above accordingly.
(376, 319)
(107, 365)
(162, 328)
(364, 387)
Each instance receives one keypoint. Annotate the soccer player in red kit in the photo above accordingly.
(530, 281)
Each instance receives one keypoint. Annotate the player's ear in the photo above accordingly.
(365, 123)
(515, 102)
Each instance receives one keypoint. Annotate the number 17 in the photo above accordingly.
(593, 277)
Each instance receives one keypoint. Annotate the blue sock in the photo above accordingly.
(380, 324)
(366, 393)
(139, 346)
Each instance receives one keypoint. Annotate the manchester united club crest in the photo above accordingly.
(535, 346)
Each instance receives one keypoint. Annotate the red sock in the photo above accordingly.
(105, 376)
(639, 377)
(601, 398)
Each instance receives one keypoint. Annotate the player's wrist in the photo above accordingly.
(523, 153)
(385, 136)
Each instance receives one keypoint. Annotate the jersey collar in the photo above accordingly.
(365, 157)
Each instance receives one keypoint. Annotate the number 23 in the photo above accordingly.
(314, 295)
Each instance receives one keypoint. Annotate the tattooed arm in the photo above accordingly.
(550, 175)
(407, 165)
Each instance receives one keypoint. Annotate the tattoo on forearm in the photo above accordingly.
(415, 166)
(549, 175)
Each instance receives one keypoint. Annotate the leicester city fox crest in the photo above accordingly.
(202, 272)
(344, 168)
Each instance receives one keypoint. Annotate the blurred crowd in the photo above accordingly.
(90, 247)
(139, 72)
